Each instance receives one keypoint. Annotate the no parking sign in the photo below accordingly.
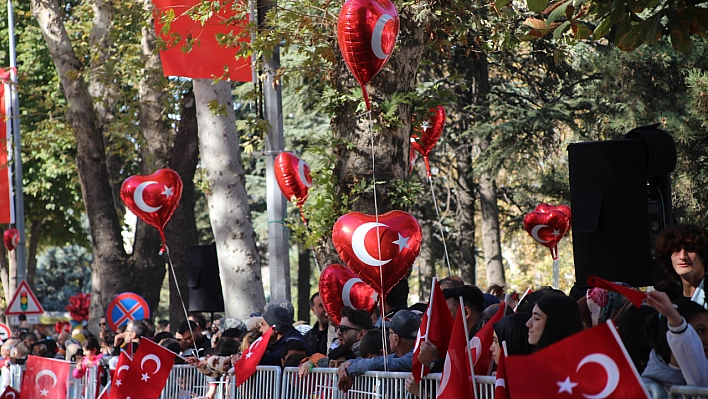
(125, 307)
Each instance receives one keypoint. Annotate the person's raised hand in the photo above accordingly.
(305, 368)
(342, 370)
(661, 302)
(428, 353)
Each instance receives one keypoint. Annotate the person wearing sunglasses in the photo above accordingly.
(352, 327)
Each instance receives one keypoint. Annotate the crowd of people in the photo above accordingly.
(666, 338)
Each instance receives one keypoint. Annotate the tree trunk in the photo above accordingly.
(142, 272)
(490, 229)
(229, 211)
(304, 269)
(183, 227)
(35, 231)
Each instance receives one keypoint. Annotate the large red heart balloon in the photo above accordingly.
(11, 238)
(293, 176)
(548, 224)
(153, 198)
(367, 32)
(429, 131)
(340, 287)
(357, 238)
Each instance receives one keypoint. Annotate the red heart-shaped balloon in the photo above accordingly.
(548, 224)
(399, 236)
(11, 238)
(153, 198)
(340, 287)
(429, 132)
(293, 177)
(367, 32)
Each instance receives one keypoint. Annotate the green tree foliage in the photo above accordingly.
(61, 273)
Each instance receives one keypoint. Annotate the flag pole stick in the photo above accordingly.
(469, 353)
(20, 255)
(427, 326)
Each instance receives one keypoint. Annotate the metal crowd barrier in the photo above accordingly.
(485, 386)
(264, 383)
(185, 381)
(687, 391)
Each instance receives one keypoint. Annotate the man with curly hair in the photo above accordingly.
(683, 250)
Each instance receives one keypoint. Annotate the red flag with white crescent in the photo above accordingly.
(456, 379)
(7, 213)
(590, 364)
(148, 371)
(246, 365)
(10, 393)
(435, 328)
(118, 377)
(500, 384)
(45, 378)
(482, 341)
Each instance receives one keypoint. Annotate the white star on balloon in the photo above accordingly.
(145, 377)
(118, 383)
(168, 191)
(44, 392)
(556, 233)
(249, 354)
(402, 242)
(375, 296)
(425, 125)
(566, 386)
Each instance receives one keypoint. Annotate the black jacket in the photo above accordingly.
(273, 354)
(317, 339)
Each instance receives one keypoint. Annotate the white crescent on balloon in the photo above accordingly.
(534, 233)
(360, 249)
(140, 201)
(48, 373)
(154, 359)
(347, 291)
(376, 36)
(121, 368)
(611, 369)
(301, 173)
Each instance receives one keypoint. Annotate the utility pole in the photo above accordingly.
(278, 235)
(20, 252)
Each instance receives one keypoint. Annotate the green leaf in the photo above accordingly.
(502, 3)
(537, 5)
(602, 29)
(557, 12)
(680, 34)
(581, 31)
(561, 29)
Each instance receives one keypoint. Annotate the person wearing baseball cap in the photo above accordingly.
(282, 322)
(401, 331)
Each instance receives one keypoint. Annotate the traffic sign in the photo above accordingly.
(5, 332)
(24, 302)
(125, 307)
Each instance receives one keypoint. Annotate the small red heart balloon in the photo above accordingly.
(153, 198)
(11, 238)
(357, 238)
(293, 176)
(340, 287)
(548, 224)
(367, 32)
(429, 132)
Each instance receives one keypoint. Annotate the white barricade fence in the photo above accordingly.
(264, 383)
(184, 381)
(485, 386)
(16, 376)
(686, 391)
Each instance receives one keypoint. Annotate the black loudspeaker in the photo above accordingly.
(620, 194)
(205, 294)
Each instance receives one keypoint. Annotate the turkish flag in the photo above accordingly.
(500, 384)
(246, 365)
(7, 206)
(434, 328)
(457, 379)
(482, 341)
(592, 363)
(634, 296)
(10, 393)
(148, 372)
(45, 378)
(206, 58)
(118, 386)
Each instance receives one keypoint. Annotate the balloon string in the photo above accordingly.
(378, 239)
(181, 299)
(442, 232)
